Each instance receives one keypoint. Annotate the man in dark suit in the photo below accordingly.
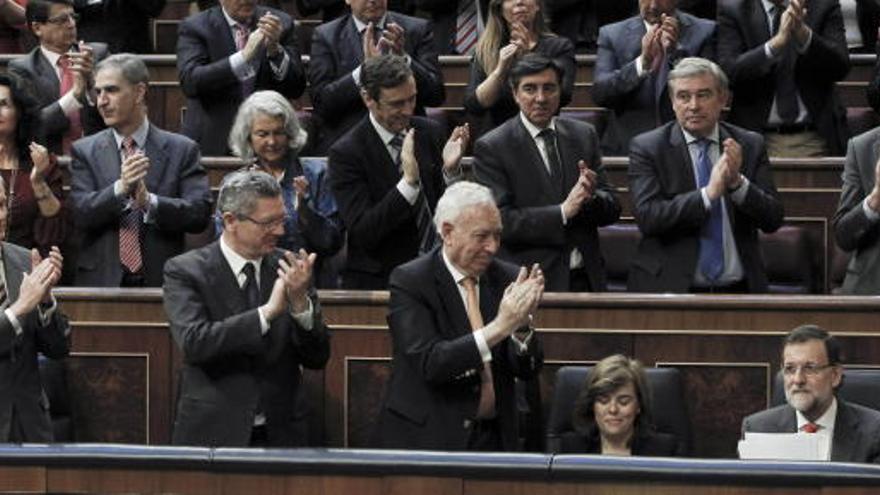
(245, 317)
(60, 70)
(632, 64)
(546, 174)
(29, 323)
(812, 372)
(460, 328)
(857, 220)
(226, 53)
(783, 73)
(339, 49)
(124, 25)
(387, 174)
(444, 15)
(136, 189)
(700, 190)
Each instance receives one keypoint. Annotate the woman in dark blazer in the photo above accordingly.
(612, 414)
(513, 28)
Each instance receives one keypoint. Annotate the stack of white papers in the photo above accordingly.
(781, 446)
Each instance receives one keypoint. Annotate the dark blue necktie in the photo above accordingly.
(711, 237)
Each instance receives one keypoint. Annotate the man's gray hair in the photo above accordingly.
(459, 197)
(241, 190)
(271, 104)
(132, 68)
(696, 66)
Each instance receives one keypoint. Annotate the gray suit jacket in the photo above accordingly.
(34, 67)
(508, 161)
(20, 386)
(176, 177)
(229, 368)
(856, 429)
(852, 229)
(640, 104)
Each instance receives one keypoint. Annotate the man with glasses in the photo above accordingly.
(60, 70)
(136, 189)
(387, 174)
(246, 317)
(812, 373)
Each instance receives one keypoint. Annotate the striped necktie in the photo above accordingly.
(466, 27)
(130, 224)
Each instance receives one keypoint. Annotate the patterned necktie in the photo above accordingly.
(486, 406)
(241, 33)
(810, 428)
(466, 27)
(130, 224)
(786, 89)
(4, 297)
(427, 234)
(74, 128)
(711, 261)
(250, 288)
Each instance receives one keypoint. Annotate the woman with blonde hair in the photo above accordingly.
(513, 28)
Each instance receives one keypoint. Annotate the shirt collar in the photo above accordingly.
(139, 135)
(691, 139)
(457, 275)
(51, 56)
(360, 25)
(232, 22)
(533, 129)
(768, 5)
(235, 260)
(825, 421)
(384, 134)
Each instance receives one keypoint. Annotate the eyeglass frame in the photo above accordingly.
(265, 224)
(809, 369)
(62, 18)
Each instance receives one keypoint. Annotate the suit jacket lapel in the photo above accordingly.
(13, 272)
(107, 157)
(533, 164)
(220, 276)
(788, 421)
(45, 71)
(450, 297)
(846, 429)
(568, 158)
(155, 149)
(757, 17)
(224, 32)
(387, 169)
(686, 169)
(351, 44)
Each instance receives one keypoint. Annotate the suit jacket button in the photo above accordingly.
(467, 424)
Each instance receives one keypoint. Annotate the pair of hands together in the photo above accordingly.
(453, 151)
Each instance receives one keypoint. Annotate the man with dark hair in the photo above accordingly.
(701, 189)
(812, 372)
(136, 189)
(387, 174)
(245, 317)
(632, 64)
(546, 174)
(226, 53)
(784, 59)
(339, 50)
(60, 70)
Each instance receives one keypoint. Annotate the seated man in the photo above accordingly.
(136, 189)
(342, 46)
(632, 63)
(387, 174)
(812, 372)
(461, 332)
(701, 188)
(226, 53)
(546, 174)
(60, 70)
(245, 317)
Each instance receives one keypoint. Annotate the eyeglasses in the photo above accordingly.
(266, 224)
(809, 369)
(63, 18)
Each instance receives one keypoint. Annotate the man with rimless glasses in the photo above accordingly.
(812, 373)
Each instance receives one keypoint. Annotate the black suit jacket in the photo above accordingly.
(20, 386)
(742, 31)
(669, 209)
(213, 92)
(229, 367)
(856, 430)
(34, 67)
(648, 444)
(381, 224)
(507, 160)
(337, 50)
(443, 15)
(177, 179)
(123, 24)
(434, 389)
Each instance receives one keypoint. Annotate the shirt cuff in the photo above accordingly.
(305, 318)
(483, 346)
(640, 71)
(522, 345)
(806, 46)
(872, 215)
(706, 202)
(280, 70)
(562, 213)
(69, 103)
(410, 193)
(739, 196)
(767, 51)
(46, 313)
(449, 178)
(16, 325)
(264, 323)
(118, 190)
(242, 69)
(356, 75)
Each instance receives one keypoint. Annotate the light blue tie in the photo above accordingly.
(711, 236)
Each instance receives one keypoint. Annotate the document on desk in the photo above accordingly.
(781, 446)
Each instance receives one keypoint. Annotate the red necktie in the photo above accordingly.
(74, 130)
(486, 407)
(810, 428)
(130, 224)
(466, 27)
